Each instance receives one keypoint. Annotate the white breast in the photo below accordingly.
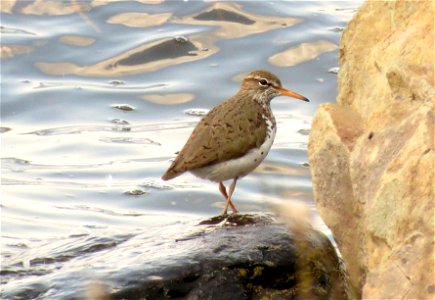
(241, 166)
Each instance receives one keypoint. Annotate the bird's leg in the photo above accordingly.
(231, 191)
(223, 190)
(228, 197)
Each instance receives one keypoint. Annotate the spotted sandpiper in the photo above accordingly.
(234, 137)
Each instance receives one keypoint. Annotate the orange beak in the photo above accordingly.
(284, 92)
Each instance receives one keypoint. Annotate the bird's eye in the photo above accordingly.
(263, 82)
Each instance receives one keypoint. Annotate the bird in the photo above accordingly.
(234, 137)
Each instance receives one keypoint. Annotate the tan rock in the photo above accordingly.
(383, 46)
(332, 138)
(372, 154)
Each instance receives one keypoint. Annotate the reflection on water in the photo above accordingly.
(169, 99)
(230, 22)
(96, 98)
(303, 52)
(54, 8)
(9, 51)
(76, 40)
(133, 19)
(145, 58)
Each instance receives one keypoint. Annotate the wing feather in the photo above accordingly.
(221, 135)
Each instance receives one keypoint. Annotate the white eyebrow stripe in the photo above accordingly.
(258, 78)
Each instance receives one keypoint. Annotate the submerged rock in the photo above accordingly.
(242, 257)
(372, 154)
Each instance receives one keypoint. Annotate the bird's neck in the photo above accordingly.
(255, 95)
(256, 98)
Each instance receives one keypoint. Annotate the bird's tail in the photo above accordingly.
(170, 174)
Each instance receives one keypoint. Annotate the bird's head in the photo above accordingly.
(263, 86)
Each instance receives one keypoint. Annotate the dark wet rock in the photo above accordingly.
(247, 257)
(120, 125)
(334, 70)
(117, 82)
(238, 220)
(119, 122)
(181, 39)
(304, 131)
(135, 192)
(239, 257)
(219, 14)
(196, 112)
(124, 107)
(337, 29)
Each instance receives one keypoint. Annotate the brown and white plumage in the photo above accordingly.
(235, 136)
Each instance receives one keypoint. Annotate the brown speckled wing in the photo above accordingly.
(227, 132)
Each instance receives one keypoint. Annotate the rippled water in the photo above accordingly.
(97, 96)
